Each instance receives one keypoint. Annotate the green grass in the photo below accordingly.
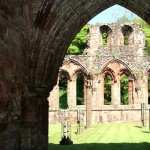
(109, 136)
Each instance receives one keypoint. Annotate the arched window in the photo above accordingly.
(105, 32)
(80, 89)
(63, 83)
(107, 89)
(127, 30)
(124, 82)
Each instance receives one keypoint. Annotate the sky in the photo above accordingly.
(112, 14)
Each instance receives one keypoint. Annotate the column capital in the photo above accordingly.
(89, 83)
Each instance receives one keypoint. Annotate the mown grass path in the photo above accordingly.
(109, 136)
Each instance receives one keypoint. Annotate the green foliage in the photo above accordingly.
(104, 38)
(126, 40)
(80, 42)
(63, 99)
(123, 19)
(80, 90)
(149, 89)
(107, 90)
(124, 90)
(146, 29)
(63, 104)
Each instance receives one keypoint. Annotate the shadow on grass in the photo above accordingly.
(138, 127)
(146, 132)
(102, 146)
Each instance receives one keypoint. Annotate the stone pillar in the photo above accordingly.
(95, 100)
(94, 41)
(130, 91)
(10, 114)
(100, 91)
(135, 95)
(34, 121)
(142, 86)
(88, 103)
(85, 92)
(144, 96)
(115, 92)
(71, 93)
(148, 87)
(54, 98)
(145, 90)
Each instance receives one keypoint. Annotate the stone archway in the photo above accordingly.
(34, 41)
(116, 68)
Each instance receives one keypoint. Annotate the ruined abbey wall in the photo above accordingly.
(115, 58)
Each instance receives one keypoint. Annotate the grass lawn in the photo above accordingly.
(109, 136)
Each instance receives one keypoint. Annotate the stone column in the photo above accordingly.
(85, 92)
(144, 96)
(115, 92)
(142, 86)
(34, 120)
(130, 91)
(100, 91)
(135, 95)
(88, 103)
(95, 99)
(145, 90)
(10, 114)
(95, 41)
(53, 99)
(71, 93)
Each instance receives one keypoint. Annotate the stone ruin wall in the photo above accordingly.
(95, 61)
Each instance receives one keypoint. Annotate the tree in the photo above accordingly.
(80, 42)
(146, 29)
(123, 19)
(107, 89)
(124, 90)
